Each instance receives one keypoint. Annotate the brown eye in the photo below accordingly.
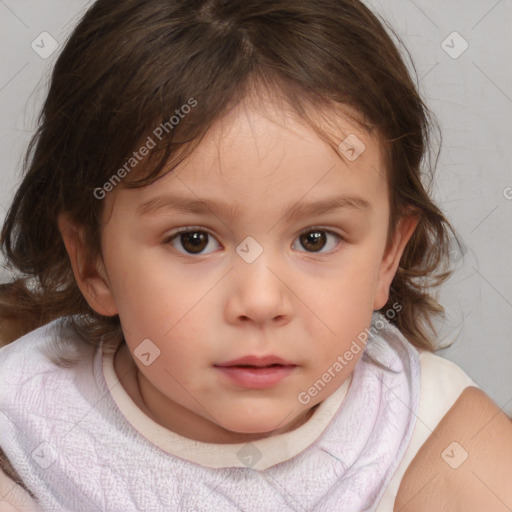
(192, 241)
(315, 240)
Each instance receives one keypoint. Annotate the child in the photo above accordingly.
(190, 347)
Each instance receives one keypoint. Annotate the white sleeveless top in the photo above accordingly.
(442, 382)
(79, 442)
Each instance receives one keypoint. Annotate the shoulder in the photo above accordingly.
(465, 464)
(14, 496)
(41, 393)
(440, 373)
(39, 368)
(42, 349)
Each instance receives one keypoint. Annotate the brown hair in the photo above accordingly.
(130, 65)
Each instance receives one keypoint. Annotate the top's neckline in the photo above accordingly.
(260, 454)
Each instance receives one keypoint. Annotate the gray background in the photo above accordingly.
(472, 98)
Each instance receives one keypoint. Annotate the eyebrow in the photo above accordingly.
(202, 206)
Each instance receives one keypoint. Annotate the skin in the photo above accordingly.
(305, 304)
(482, 482)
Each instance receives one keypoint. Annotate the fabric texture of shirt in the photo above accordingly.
(80, 443)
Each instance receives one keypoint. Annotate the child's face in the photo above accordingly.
(248, 283)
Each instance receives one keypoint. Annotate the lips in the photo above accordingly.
(256, 372)
(255, 361)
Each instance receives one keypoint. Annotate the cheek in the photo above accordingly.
(353, 283)
(146, 298)
(164, 307)
(344, 304)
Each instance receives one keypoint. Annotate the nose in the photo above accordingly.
(259, 294)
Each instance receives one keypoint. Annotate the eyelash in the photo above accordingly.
(312, 229)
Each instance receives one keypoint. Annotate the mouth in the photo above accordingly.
(254, 366)
(257, 362)
(256, 373)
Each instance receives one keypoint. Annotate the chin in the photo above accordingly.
(258, 426)
(247, 427)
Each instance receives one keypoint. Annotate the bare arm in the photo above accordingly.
(466, 463)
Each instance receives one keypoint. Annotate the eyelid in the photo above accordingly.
(187, 229)
(321, 228)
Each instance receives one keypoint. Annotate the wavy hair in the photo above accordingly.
(128, 66)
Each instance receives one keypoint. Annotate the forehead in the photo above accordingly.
(266, 150)
(270, 139)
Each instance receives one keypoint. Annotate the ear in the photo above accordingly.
(391, 259)
(90, 276)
